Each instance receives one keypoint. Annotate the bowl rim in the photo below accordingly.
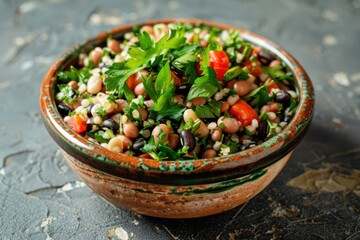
(136, 168)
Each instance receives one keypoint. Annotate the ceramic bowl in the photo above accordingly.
(182, 188)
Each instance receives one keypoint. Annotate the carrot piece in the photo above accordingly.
(145, 155)
(243, 112)
(77, 123)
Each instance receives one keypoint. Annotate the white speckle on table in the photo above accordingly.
(27, 7)
(329, 40)
(330, 15)
(46, 221)
(342, 79)
(70, 186)
(119, 233)
(99, 18)
(27, 65)
(2, 171)
(48, 237)
(136, 222)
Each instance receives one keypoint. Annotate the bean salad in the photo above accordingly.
(177, 91)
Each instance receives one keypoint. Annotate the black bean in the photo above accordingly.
(287, 118)
(187, 139)
(64, 109)
(262, 130)
(265, 58)
(88, 108)
(110, 124)
(177, 71)
(138, 145)
(283, 97)
(183, 88)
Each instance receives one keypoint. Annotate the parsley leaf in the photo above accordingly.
(211, 110)
(79, 75)
(236, 72)
(66, 93)
(259, 96)
(186, 54)
(141, 55)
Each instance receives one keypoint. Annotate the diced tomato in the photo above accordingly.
(77, 123)
(271, 86)
(254, 68)
(243, 112)
(177, 80)
(145, 155)
(219, 61)
(131, 82)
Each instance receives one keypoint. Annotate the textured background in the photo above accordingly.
(40, 198)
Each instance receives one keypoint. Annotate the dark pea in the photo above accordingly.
(89, 127)
(287, 118)
(64, 109)
(187, 139)
(183, 88)
(138, 145)
(110, 124)
(283, 97)
(262, 130)
(265, 58)
(88, 108)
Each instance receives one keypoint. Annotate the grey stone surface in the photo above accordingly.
(40, 197)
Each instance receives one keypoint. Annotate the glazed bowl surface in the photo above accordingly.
(179, 188)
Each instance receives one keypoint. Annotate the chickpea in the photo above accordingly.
(121, 104)
(143, 113)
(216, 135)
(139, 89)
(149, 103)
(231, 125)
(174, 140)
(179, 99)
(148, 29)
(96, 56)
(119, 143)
(160, 30)
(242, 88)
(275, 63)
(94, 84)
(114, 45)
(209, 153)
(224, 107)
(190, 114)
(73, 84)
(156, 131)
(230, 84)
(130, 130)
(198, 101)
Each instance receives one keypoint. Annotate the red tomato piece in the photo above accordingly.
(254, 68)
(77, 123)
(243, 112)
(131, 82)
(219, 62)
(271, 86)
(177, 80)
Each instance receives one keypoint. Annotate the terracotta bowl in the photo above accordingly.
(182, 188)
